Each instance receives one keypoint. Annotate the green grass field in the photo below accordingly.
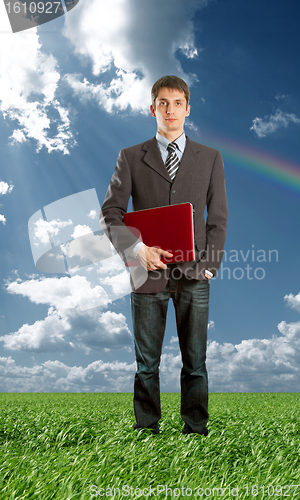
(82, 446)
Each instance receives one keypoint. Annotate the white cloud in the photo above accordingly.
(293, 301)
(134, 42)
(61, 293)
(257, 364)
(72, 330)
(191, 125)
(45, 230)
(4, 21)
(81, 230)
(5, 188)
(109, 330)
(92, 214)
(29, 81)
(252, 365)
(18, 136)
(271, 364)
(118, 282)
(75, 318)
(269, 124)
(87, 246)
(281, 97)
(43, 336)
(109, 37)
(54, 376)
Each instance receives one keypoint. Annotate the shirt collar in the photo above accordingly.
(163, 143)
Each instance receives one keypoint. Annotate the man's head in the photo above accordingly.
(170, 82)
(170, 106)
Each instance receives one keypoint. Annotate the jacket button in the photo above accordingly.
(173, 191)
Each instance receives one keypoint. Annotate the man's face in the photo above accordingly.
(170, 111)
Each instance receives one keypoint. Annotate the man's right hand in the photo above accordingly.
(149, 257)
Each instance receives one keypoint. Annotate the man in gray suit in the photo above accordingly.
(166, 170)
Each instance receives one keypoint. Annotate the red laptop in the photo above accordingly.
(170, 228)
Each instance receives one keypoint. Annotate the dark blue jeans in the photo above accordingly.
(149, 312)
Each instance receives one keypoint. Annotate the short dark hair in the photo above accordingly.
(170, 82)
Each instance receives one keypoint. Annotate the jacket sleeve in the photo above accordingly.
(115, 206)
(217, 214)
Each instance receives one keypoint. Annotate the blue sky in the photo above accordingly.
(75, 91)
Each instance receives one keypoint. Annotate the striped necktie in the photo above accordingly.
(172, 162)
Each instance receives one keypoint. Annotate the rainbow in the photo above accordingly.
(282, 172)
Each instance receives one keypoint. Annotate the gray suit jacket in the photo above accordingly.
(141, 173)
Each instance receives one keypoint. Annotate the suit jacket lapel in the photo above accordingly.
(188, 160)
(154, 160)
